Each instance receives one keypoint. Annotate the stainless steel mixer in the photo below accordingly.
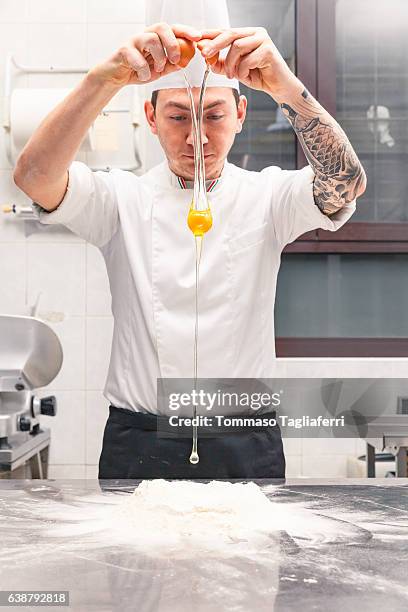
(30, 357)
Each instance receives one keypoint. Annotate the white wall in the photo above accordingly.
(70, 274)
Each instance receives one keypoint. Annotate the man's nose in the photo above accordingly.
(190, 135)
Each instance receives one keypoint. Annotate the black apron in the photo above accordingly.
(134, 449)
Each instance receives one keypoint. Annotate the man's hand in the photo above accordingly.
(147, 57)
(252, 58)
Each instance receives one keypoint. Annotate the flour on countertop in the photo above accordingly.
(184, 514)
(182, 519)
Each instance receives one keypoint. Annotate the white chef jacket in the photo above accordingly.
(139, 223)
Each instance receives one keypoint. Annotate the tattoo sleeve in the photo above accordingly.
(339, 176)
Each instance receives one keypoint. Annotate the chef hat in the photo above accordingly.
(203, 15)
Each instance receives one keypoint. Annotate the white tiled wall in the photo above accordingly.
(70, 274)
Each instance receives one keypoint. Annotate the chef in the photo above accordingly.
(139, 225)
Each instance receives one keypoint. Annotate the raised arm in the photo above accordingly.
(340, 178)
(42, 167)
(255, 61)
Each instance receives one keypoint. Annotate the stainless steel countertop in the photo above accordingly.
(353, 556)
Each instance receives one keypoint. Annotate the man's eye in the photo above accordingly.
(178, 117)
(215, 117)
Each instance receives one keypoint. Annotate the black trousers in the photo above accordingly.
(133, 448)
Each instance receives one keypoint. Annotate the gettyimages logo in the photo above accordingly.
(224, 399)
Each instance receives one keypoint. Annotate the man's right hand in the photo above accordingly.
(147, 57)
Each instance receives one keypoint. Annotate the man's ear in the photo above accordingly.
(241, 113)
(150, 116)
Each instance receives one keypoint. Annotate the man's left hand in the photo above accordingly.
(253, 59)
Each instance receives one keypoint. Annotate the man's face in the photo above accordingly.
(172, 124)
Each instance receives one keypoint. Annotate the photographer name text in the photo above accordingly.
(304, 421)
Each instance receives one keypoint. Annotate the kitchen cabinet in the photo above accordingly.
(345, 292)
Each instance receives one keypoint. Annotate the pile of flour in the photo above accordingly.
(182, 519)
(185, 515)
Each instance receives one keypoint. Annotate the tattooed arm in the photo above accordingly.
(339, 176)
(255, 61)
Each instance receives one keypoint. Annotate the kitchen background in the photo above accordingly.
(342, 300)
